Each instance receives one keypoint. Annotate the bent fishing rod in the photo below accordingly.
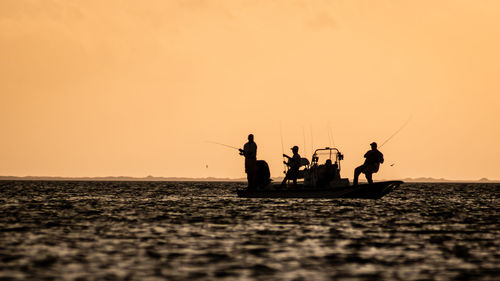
(399, 130)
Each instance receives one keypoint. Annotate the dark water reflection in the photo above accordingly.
(177, 231)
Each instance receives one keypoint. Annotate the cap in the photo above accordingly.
(295, 148)
(373, 143)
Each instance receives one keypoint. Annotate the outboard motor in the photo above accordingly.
(263, 174)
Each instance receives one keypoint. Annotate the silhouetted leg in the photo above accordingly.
(284, 180)
(357, 172)
(251, 170)
(369, 177)
(255, 182)
(249, 179)
(290, 175)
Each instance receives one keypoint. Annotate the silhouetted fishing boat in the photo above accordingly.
(319, 181)
(369, 191)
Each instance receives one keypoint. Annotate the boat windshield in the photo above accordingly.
(324, 154)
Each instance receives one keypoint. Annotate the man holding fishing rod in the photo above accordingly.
(250, 152)
(372, 162)
(374, 158)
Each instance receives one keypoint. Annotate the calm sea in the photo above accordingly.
(202, 231)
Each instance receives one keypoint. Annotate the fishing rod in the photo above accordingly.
(312, 140)
(331, 133)
(304, 135)
(218, 143)
(329, 137)
(399, 130)
(283, 149)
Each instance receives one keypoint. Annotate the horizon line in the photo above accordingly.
(170, 178)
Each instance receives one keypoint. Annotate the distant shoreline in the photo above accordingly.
(35, 178)
(209, 179)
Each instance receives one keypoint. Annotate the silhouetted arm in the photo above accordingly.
(287, 162)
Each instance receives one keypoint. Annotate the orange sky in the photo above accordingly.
(101, 88)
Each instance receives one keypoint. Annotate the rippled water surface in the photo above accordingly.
(202, 231)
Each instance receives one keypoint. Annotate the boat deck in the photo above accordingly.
(369, 191)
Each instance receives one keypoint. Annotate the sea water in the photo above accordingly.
(202, 231)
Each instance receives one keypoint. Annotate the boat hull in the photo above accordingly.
(368, 191)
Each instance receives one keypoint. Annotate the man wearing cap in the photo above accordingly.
(294, 164)
(250, 152)
(373, 160)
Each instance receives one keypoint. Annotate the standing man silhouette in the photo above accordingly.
(372, 162)
(250, 152)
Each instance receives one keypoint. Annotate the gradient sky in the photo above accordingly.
(136, 88)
